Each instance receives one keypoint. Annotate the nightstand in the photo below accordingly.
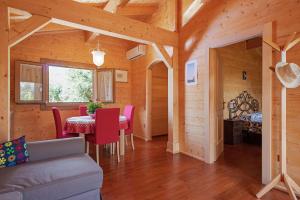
(233, 131)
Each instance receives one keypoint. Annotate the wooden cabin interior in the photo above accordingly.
(149, 99)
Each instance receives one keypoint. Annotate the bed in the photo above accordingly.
(246, 108)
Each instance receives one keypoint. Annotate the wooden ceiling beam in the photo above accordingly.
(87, 18)
(22, 30)
(113, 5)
(137, 10)
(90, 37)
(123, 3)
(191, 10)
(164, 56)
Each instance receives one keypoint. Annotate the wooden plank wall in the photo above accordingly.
(159, 113)
(235, 59)
(221, 22)
(164, 18)
(37, 124)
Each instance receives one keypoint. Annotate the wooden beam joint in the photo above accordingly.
(163, 55)
(23, 30)
(92, 19)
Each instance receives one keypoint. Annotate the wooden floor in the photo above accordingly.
(151, 173)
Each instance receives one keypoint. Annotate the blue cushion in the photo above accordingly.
(13, 152)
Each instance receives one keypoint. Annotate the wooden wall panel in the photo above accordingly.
(222, 22)
(139, 97)
(38, 124)
(159, 103)
(235, 59)
(164, 18)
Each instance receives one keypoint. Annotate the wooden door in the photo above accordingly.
(217, 99)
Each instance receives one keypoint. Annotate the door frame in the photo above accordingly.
(149, 96)
(173, 134)
(266, 31)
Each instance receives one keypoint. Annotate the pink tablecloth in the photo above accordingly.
(86, 124)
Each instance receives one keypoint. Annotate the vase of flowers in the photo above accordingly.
(92, 107)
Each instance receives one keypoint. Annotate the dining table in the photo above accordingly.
(86, 125)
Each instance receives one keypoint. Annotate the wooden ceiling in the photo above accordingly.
(141, 10)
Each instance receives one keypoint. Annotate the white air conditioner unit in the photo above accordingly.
(136, 52)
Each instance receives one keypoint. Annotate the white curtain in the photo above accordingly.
(105, 86)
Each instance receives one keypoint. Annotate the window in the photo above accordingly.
(58, 83)
(29, 82)
(70, 85)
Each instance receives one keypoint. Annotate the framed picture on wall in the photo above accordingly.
(191, 72)
(121, 76)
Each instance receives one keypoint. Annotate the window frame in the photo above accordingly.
(63, 105)
(17, 91)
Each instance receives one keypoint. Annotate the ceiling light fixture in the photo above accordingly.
(98, 56)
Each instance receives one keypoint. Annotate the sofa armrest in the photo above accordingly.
(48, 149)
(15, 195)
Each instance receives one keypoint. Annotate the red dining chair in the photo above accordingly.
(129, 114)
(106, 130)
(83, 110)
(60, 133)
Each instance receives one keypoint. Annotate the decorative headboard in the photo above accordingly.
(242, 105)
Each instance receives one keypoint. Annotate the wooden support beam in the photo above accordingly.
(137, 10)
(19, 14)
(90, 37)
(88, 18)
(24, 29)
(191, 10)
(113, 5)
(123, 3)
(173, 105)
(272, 44)
(290, 39)
(4, 75)
(163, 55)
(292, 44)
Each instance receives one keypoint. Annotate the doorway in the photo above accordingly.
(267, 32)
(239, 105)
(157, 101)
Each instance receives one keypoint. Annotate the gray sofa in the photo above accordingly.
(57, 169)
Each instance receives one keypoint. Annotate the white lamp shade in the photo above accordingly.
(98, 57)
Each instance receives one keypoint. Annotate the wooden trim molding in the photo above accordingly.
(95, 20)
(267, 105)
(4, 74)
(67, 64)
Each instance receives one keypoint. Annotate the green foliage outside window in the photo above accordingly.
(70, 84)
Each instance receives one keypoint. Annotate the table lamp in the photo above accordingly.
(289, 76)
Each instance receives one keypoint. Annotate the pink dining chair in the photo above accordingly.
(60, 133)
(129, 114)
(83, 110)
(106, 130)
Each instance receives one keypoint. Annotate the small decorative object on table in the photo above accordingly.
(92, 107)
